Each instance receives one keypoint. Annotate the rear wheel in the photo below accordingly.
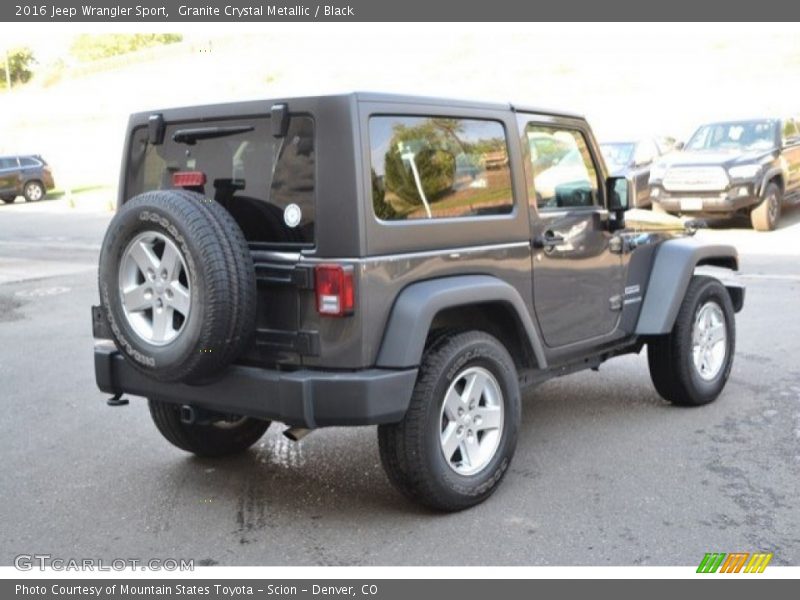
(690, 365)
(221, 437)
(456, 441)
(766, 215)
(33, 191)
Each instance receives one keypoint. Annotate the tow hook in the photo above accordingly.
(296, 433)
(117, 400)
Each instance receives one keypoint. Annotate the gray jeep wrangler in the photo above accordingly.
(411, 263)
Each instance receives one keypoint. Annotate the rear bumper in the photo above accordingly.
(305, 398)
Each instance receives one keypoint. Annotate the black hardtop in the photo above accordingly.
(260, 106)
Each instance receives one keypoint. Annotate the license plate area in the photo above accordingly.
(688, 204)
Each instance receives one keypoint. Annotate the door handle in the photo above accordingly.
(547, 240)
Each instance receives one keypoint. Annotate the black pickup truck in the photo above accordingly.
(734, 167)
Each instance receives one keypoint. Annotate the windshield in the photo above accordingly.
(618, 154)
(738, 135)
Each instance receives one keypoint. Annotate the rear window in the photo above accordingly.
(435, 167)
(266, 183)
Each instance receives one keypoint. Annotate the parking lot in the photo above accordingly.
(606, 473)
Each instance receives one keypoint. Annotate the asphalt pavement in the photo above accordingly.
(605, 473)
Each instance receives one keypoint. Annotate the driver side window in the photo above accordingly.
(562, 174)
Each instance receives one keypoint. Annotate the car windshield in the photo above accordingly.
(618, 154)
(737, 135)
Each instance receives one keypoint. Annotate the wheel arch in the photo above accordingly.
(30, 180)
(673, 267)
(774, 175)
(485, 302)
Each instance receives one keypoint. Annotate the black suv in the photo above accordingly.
(25, 175)
(385, 260)
(734, 167)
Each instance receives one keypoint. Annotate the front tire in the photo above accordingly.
(456, 441)
(690, 365)
(33, 191)
(766, 215)
(223, 437)
(8, 199)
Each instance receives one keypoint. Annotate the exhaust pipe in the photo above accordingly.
(296, 433)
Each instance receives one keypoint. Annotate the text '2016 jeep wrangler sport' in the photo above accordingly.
(371, 259)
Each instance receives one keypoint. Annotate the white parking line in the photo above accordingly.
(14, 270)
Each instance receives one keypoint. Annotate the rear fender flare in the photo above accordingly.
(418, 304)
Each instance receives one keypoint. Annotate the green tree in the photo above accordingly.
(18, 63)
(383, 210)
(433, 146)
(88, 47)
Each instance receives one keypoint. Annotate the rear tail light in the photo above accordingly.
(335, 292)
(188, 179)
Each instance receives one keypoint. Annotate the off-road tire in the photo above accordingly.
(243, 283)
(672, 369)
(221, 319)
(209, 440)
(410, 450)
(766, 215)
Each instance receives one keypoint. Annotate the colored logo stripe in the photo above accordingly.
(711, 562)
(734, 562)
(758, 563)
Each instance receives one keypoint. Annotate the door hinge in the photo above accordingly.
(615, 302)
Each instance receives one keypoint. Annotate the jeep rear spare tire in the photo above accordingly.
(177, 285)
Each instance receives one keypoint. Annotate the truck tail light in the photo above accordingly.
(335, 291)
(188, 179)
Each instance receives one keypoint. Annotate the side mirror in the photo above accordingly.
(618, 193)
(680, 146)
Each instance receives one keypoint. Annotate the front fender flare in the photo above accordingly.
(769, 176)
(417, 305)
(673, 267)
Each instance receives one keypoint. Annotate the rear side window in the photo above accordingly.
(433, 168)
(266, 183)
(8, 163)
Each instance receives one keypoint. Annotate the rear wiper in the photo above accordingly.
(190, 136)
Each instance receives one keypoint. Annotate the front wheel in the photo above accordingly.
(222, 437)
(456, 441)
(766, 215)
(33, 192)
(690, 365)
(8, 199)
